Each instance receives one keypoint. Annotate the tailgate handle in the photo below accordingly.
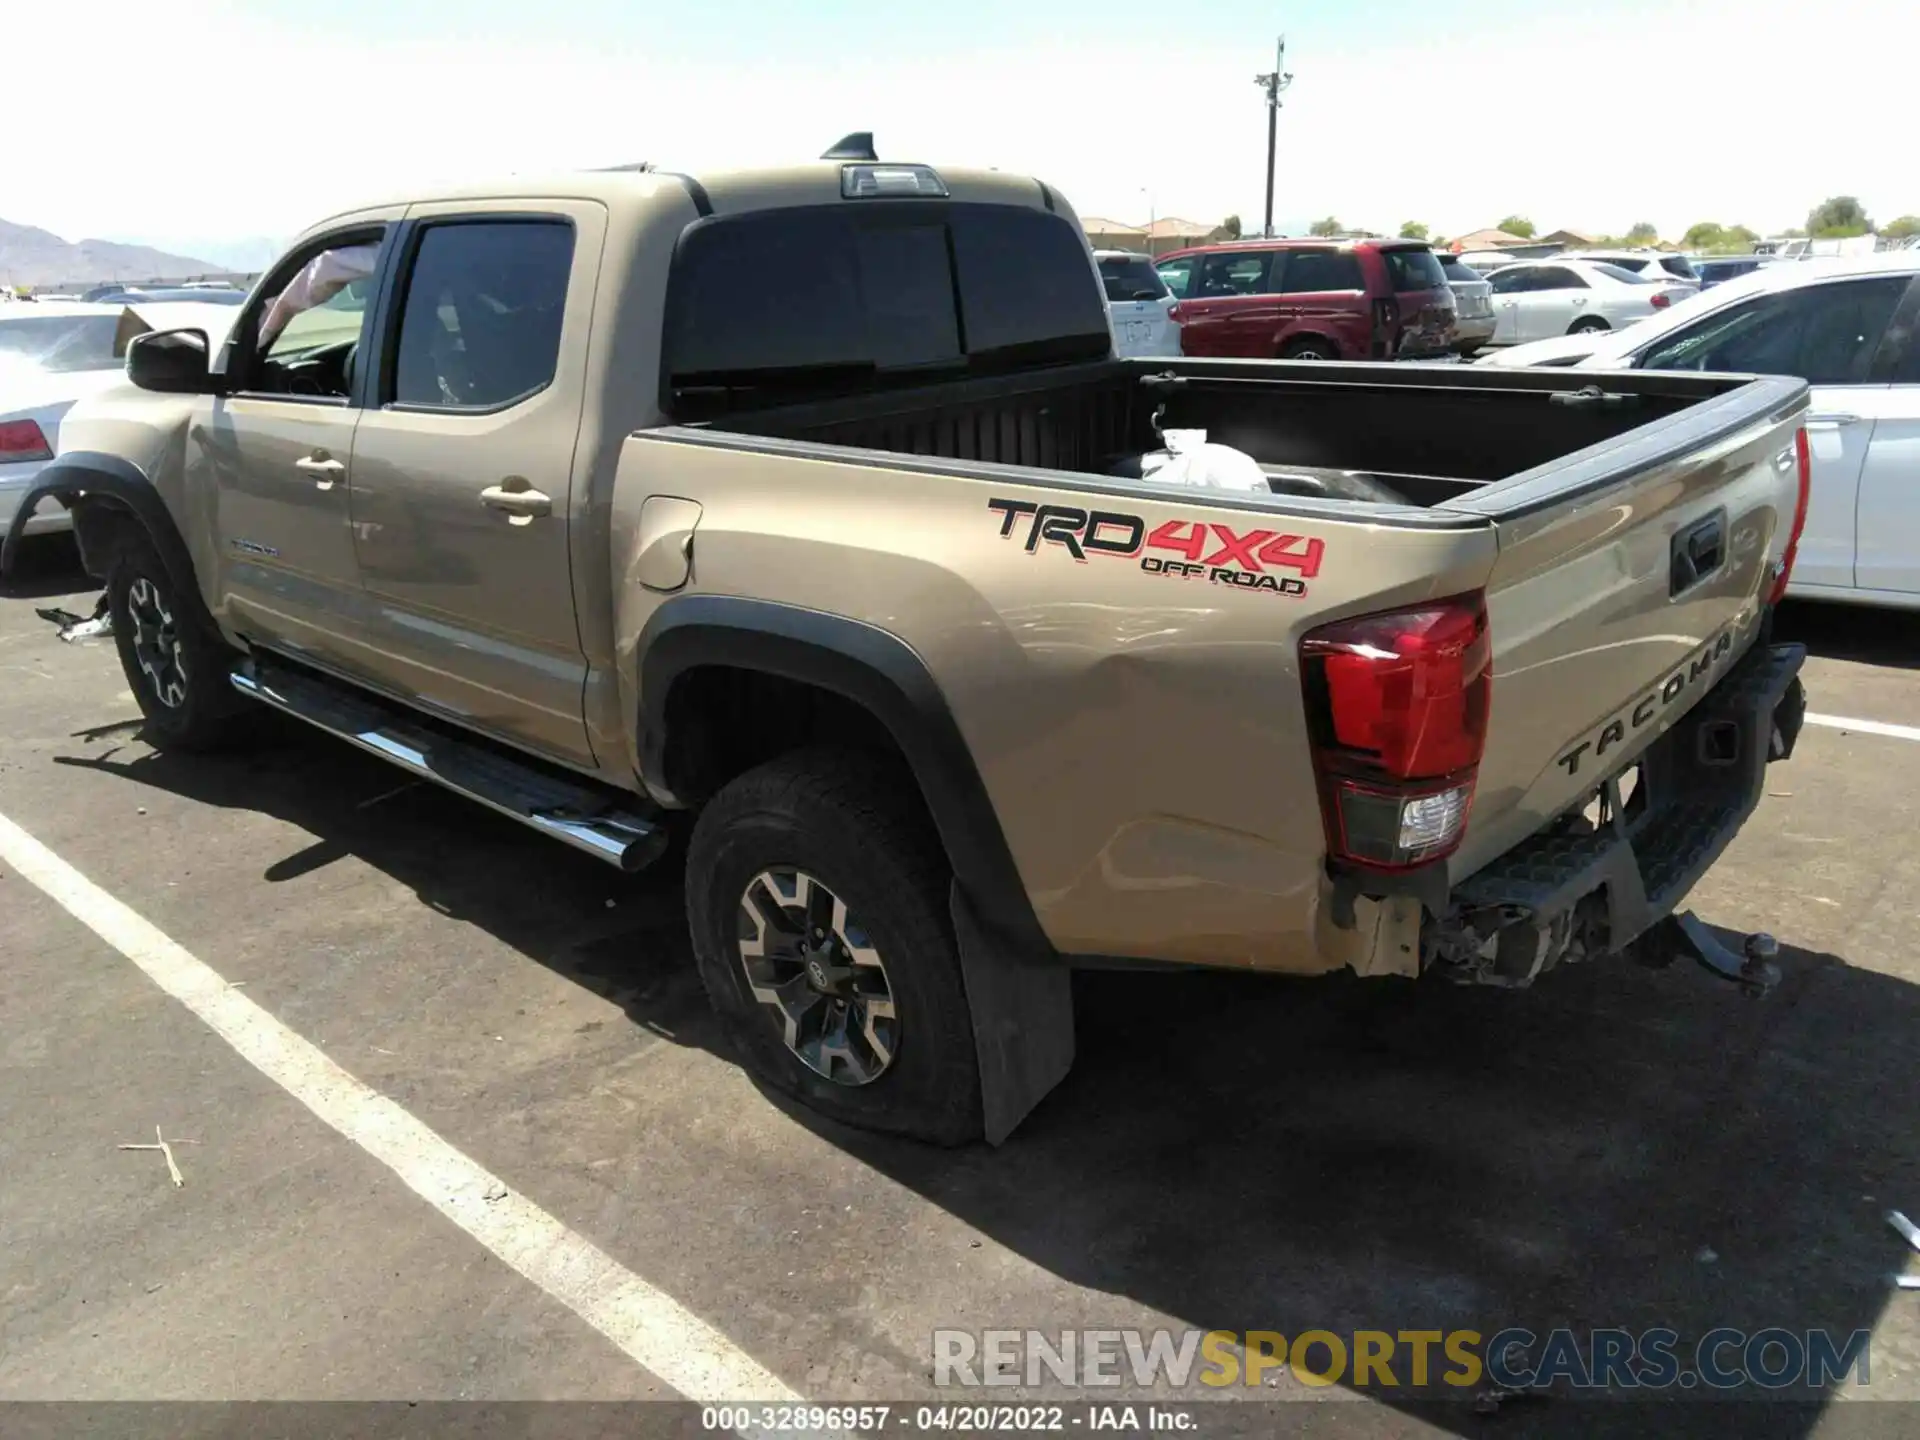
(1698, 551)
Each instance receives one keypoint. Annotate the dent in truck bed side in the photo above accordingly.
(875, 670)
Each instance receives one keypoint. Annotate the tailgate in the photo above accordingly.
(1630, 578)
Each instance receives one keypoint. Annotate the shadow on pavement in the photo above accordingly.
(48, 565)
(1861, 633)
(1618, 1147)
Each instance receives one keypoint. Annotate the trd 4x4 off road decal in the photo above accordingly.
(1195, 549)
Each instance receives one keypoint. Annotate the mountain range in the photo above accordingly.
(31, 256)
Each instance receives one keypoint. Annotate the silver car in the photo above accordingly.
(1473, 303)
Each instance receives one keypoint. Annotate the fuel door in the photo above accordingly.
(663, 557)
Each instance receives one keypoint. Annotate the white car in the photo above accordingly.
(1850, 328)
(1139, 305)
(1650, 264)
(52, 356)
(1561, 297)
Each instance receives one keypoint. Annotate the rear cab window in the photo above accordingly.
(869, 297)
(1413, 269)
(1130, 277)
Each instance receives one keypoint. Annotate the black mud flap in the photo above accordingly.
(1022, 1011)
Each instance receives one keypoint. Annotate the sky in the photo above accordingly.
(269, 114)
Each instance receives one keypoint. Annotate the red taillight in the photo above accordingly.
(1173, 312)
(1398, 705)
(1804, 457)
(1661, 300)
(22, 440)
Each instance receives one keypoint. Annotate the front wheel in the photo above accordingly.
(175, 664)
(817, 897)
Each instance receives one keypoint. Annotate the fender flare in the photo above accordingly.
(80, 475)
(874, 669)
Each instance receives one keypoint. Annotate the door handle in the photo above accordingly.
(1831, 422)
(322, 467)
(519, 499)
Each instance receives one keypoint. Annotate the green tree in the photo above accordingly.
(1328, 226)
(1518, 225)
(1227, 229)
(1412, 230)
(1740, 239)
(1643, 233)
(1903, 227)
(1838, 216)
(1707, 235)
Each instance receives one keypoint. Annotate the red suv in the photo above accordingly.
(1311, 300)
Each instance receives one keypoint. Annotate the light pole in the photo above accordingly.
(1152, 216)
(1273, 84)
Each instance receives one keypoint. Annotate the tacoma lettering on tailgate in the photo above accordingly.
(1654, 703)
(1206, 549)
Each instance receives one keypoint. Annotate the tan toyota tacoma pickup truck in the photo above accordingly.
(792, 509)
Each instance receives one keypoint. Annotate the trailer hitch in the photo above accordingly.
(1752, 969)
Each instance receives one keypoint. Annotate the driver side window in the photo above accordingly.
(304, 339)
(1510, 281)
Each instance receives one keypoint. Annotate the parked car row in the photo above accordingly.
(52, 356)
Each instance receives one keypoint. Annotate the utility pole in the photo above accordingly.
(1273, 84)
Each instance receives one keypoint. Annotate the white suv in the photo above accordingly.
(1138, 304)
(1653, 264)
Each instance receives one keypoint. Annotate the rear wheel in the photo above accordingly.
(1588, 325)
(817, 897)
(175, 663)
(1308, 349)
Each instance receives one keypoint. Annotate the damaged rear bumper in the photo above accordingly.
(1590, 886)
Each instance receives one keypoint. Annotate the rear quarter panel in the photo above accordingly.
(1140, 734)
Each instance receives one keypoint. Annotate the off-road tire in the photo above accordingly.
(190, 705)
(853, 820)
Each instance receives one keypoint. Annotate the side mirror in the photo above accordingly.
(171, 361)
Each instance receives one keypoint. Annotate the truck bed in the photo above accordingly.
(1376, 434)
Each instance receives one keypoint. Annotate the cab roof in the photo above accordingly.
(626, 191)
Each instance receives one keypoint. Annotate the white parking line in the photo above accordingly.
(650, 1326)
(1866, 727)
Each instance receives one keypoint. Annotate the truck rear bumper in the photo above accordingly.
(1593, 883)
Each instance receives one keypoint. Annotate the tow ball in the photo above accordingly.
(1752, 968)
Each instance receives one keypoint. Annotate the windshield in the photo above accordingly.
(61, 343)
(1131, 277)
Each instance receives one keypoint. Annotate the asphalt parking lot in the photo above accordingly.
(1617, 1147)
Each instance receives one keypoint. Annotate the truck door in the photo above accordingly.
(273, 454)
(468, 491)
